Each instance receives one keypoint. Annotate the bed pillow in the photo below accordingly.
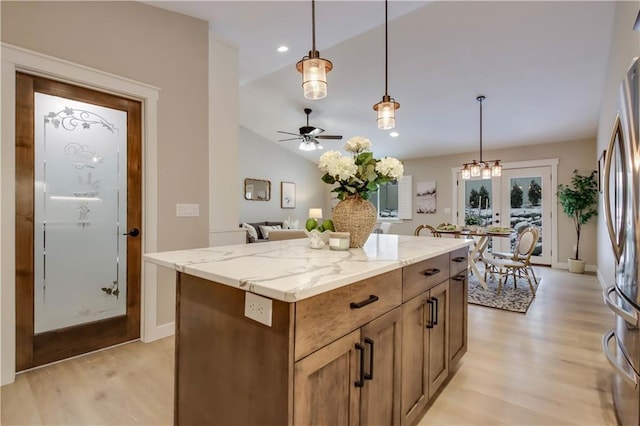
(251, 232)
(264, 230)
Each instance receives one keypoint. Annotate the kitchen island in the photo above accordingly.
(279, 333)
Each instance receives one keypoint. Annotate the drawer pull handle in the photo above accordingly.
(435, 316)
(360, 382)
(431, 272)
(430, 322)
(371, 299)
(369, 375)
(459, 259)
(459, 277)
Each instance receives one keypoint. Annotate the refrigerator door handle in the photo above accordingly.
(615, 144)
(629, 378)
(630, 317)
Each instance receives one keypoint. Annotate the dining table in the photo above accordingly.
(477, 249)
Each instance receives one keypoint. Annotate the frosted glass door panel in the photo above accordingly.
(80, 213)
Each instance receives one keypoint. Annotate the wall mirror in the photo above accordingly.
(257, 189)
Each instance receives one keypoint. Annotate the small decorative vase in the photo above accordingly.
(357, 217)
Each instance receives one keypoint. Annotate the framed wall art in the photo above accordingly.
(287, 195)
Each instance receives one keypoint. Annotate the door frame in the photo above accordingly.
(548, 162)
(16, 59)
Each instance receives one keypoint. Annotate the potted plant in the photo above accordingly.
(580, 202)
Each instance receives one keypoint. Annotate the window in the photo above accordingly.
(393, 201)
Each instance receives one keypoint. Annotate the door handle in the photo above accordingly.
(627, 377)
(357, 305)
(430, 322)
(134, 232)
(369, 375)
(630, 317)
(360, 382)
(435, 316)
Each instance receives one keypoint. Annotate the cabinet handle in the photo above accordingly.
(430, 322)
(459, 259)
(372, 298)
(435, 319)
(360, 382)
(431, 271)
(459, 277)
(369, 341)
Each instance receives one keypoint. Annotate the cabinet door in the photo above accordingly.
(439, 337)
(380, 396)
(457, 318)
(325, 393)
(415, 346)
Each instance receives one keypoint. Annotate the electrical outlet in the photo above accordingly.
(258, 308)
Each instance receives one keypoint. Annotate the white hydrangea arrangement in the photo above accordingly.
(359, 174)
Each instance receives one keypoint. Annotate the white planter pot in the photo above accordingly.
(576, 266)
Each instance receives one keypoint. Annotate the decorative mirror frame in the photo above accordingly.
(249, 193)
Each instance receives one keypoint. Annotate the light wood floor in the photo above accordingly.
(545, 368)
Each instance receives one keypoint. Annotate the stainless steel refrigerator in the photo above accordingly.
(621, 184)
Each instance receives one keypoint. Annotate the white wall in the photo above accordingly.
(262, 159)
(625, 45)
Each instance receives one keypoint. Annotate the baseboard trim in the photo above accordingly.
(160, 332)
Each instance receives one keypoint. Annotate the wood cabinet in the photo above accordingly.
(425, 349)
(373, 352)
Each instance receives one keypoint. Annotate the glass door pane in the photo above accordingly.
(526, 201)
(80, 213)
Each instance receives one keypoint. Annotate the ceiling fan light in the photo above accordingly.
(466, 173)
(386, 113)
(314, 76)
(307, 146)
(496, 169)
(475, 169)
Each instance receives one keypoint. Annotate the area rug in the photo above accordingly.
(510, 299)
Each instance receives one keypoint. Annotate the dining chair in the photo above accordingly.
(510, 255)
(434, 231)
(519, 262)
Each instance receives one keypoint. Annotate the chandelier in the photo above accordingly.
(479, 167)
(314, 69)
(387, 107)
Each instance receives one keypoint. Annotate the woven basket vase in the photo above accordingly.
(357, 217)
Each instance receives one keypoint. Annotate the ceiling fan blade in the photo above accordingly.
(289, 139)
(288, 133)
(335, 137)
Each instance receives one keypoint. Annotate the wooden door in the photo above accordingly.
(457, 317)
(380, 396)
(71, 131)
(439, 338)
(325, 391)
(415, 347)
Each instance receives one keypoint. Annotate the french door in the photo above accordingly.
(78, 220)
(517, 199)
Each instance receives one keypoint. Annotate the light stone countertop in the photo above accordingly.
(290, 270)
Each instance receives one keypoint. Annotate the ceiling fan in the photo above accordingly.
(309, 135)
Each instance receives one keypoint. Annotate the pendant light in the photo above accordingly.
(387, 107)
(314, 69)
(481, 168)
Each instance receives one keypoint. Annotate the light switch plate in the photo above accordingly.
(258, 308)
(187, 210)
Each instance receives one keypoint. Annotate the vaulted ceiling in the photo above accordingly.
(541, 66)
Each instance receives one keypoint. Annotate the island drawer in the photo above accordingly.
(423, 275)
(459, 261)
(322, 319)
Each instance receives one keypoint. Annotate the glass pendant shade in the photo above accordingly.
(314, 76)
(486, 172)
(466, 173)
(475, 169)
(386, 113)
(496, 169)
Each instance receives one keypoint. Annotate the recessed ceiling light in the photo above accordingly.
(394, 134)
(283, 49)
